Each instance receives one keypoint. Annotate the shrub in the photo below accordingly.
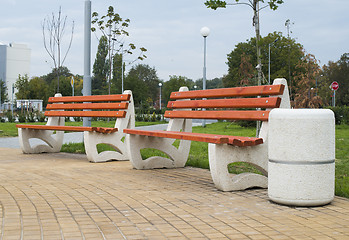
(341, 114)
(40, 116)
(10, 117)
(77, 119)
(21, 117)
(31, 116)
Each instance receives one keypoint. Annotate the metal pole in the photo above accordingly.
(269, 67)
(13, 89)
(0, 95)
(122, 69)
(204, 76)
(160, 95)
(204, 69)
(87, 57)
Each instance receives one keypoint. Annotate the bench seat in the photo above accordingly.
(200, 137)
(68, 128)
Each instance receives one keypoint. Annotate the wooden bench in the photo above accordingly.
(222, 104)
(119, 106)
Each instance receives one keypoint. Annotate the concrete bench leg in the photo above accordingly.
(92, 139)
(222, 155)
(54, 141)
(177, 156)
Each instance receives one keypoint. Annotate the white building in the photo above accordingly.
(14, 61)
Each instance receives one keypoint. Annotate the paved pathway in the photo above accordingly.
(63, 196)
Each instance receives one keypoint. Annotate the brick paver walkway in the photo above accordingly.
(62, 196)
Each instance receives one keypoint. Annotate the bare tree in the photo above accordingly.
(53, 32)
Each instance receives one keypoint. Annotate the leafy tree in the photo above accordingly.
(53, 31)
(38, 89)
(210, 84)
(101, 68)
(306, 72)
(143, 81)
(118, 73)
(173, 85)
(242, 59)
(65, 74)
(254, 4)
(4, 95)
(339, 72)
(22, 86)
(62, 71)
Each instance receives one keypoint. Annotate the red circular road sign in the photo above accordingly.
(334, 86)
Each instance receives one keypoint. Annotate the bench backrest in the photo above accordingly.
(120, 106)
(226, 103)
(99, 106)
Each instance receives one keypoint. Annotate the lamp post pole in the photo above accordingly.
(0, 96)
(87, 57)
(269, 60)
(160, 84)
(205, 31)
(13, 90)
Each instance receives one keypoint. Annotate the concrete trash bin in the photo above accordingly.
(301, 148)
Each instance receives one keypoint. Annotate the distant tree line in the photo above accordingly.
(308, 82)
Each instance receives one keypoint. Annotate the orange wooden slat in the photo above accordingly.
(68, 128)
(231, 92)
(244, 141)
(200, 137)
(271, 102)
(104, 130)
(57, 128)
(71, 106)
(93, 98)
(223, 115)
(117, 114)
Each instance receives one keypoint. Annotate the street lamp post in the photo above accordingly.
(160, 84)
(269, 60)
(205, 31)
(87, 57)
(13, 91)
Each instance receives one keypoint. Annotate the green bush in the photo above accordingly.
(341, 114)
(21, 117)
(40, 116)
(31, 116)
(10, 117)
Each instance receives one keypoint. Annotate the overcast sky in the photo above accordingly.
(170, 30)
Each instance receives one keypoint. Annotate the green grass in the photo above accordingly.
(198, 156)
(9, 129)
(342, 160)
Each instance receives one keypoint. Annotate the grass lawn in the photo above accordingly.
(9, 129)
(198, 156)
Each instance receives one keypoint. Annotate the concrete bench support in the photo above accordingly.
(301, 153)
(177, 156)
(54, 141)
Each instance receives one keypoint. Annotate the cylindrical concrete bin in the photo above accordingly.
(301, 148)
